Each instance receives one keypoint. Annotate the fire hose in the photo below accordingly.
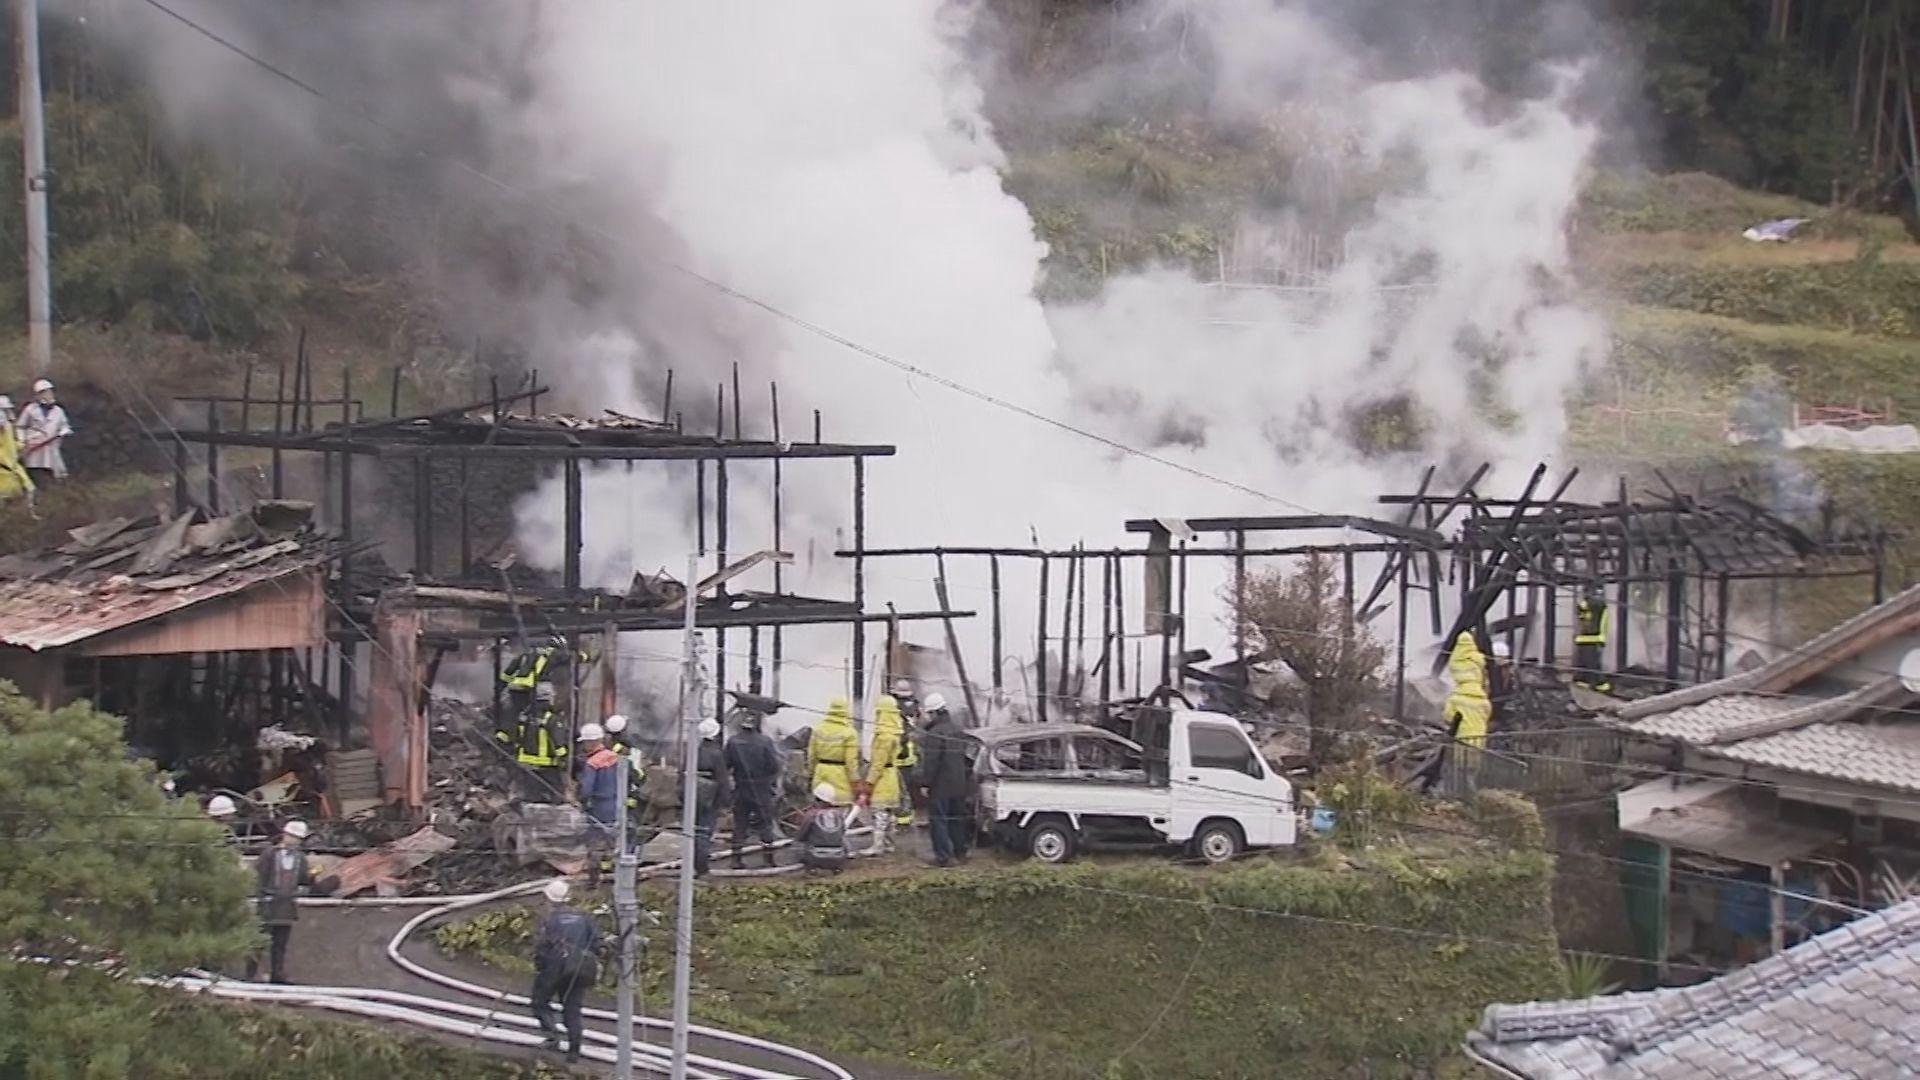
(491, 1024)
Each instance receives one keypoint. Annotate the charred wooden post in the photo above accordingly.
(1106, 633)
(1040, 641)
(1066, 631)
(993, 569)
(859, 573)
(779, 519)
(574, 535)
(953, 638)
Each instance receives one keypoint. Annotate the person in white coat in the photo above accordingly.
(43, 428)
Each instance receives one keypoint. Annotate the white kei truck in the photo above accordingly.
(1052, 790)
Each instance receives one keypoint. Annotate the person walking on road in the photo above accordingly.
(945, 772)
(283, 872)
(754, 763)
(565, 963)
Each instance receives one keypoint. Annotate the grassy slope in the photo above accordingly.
(1110, 970)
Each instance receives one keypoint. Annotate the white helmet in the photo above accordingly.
(616, 724)
(1501, 651)
(826, 794)
(6, 403)
(902, 686)
(709, 728)
(41, 386)
(591, 733)
(296, 829)
(557, 890)
(221, 806)
(934, 703)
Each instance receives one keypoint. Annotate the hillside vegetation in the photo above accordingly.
(1364, 964)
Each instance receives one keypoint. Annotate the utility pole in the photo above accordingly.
(33, 141)
(690, 715)
(626, 910)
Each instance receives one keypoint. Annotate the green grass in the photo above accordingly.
(1863, 296)
(1133, 970)
(1639, 202)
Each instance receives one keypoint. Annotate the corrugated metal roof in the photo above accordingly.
(111, 575)
(1840, 1004)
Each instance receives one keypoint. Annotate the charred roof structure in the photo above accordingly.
(1521, 553)
(444, 593)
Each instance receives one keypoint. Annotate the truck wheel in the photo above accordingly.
(1051, 840)
(1219, 841)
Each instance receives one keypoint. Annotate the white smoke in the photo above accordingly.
(834, 160)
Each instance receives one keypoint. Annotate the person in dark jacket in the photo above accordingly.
(599, 797)
(710, 791)
(947, 775)
(283, 871)
(753, 764)
(822, 835)
(565, 962)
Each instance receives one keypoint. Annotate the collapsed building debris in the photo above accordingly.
(199, 629)
(396, 618)
(384, 868)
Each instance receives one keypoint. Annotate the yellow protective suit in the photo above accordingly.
(883, 779)
(1468, 703)
(833, 751)
(13, 477)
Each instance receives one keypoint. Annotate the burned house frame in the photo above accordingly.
(389, 625)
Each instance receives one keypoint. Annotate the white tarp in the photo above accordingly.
(1878, 439)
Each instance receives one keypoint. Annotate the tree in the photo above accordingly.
(1301, 619)
(98, 864)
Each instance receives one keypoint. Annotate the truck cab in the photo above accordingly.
(1055, 789)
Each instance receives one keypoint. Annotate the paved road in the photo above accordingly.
(348, 947)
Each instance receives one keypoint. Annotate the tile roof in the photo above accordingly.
(1869, 735)
(114, 574)
(1840, 1004)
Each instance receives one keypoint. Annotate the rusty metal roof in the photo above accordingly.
(114, 574)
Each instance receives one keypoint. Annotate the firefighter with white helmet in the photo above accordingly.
(42, 430)
(283, 871)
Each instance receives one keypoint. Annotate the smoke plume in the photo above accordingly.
(838, 162)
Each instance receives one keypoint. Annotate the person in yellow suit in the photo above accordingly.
(1468, 708)
(13, 476)
(833, 751)
(884, 787)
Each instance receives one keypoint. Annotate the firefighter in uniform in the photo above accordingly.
(528, 671)
(905, 758)
(1590, 640)
(538, 746)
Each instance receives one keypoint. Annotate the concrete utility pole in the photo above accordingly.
(33, 141)
(626, 911)
(690, 715)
